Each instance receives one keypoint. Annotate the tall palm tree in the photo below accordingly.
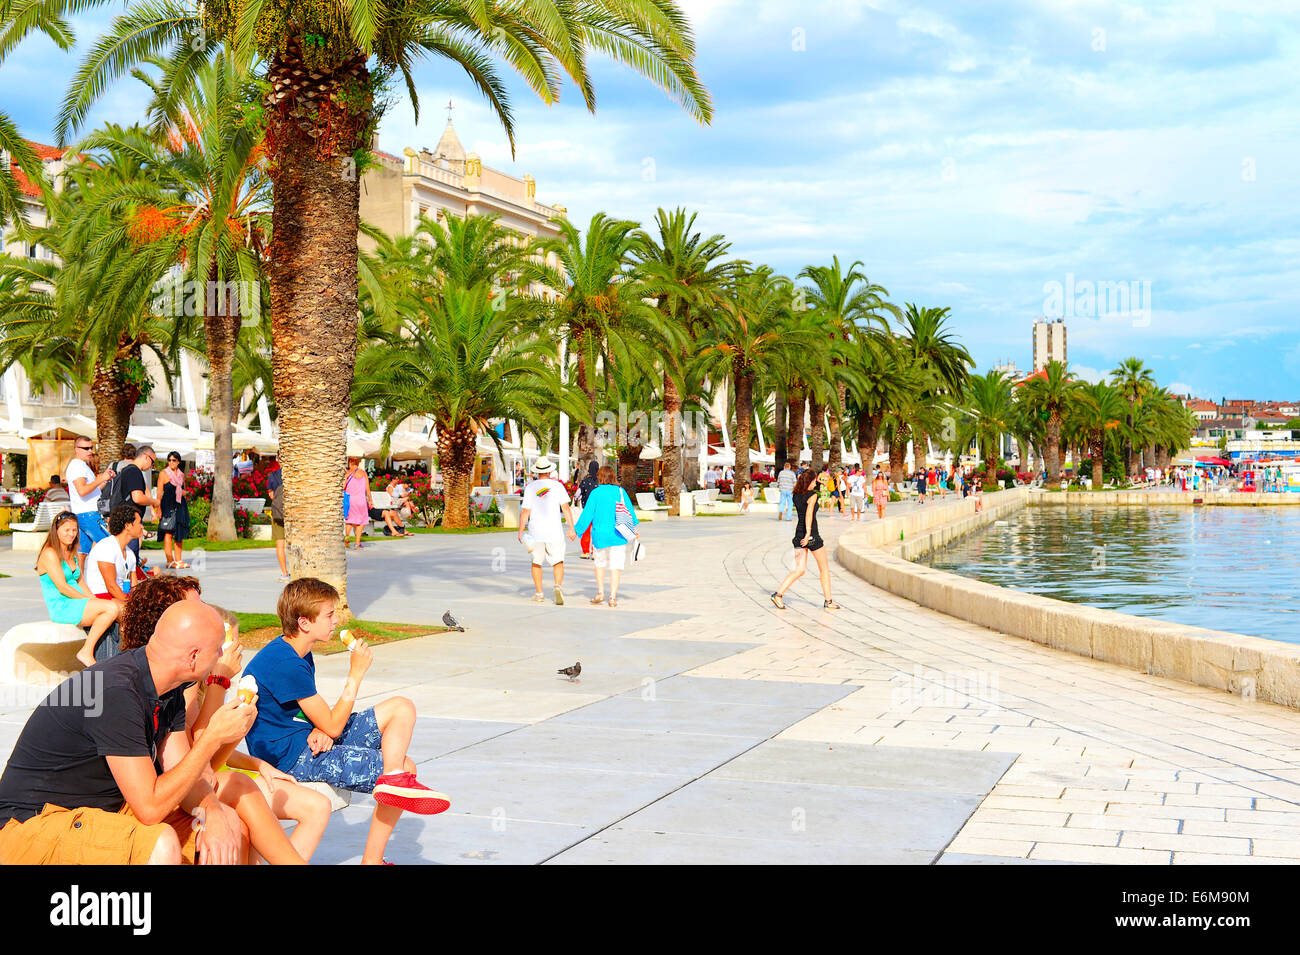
(463, 363)
(987, 414)
(754, 328)
(20, 156)
(1135, 381)
(684, 272)
(848, 302)
(327, 66)
(1050, 394)
(210, 214)
(1099, 409)
(883, 379)
(600, 309)
(940, 356)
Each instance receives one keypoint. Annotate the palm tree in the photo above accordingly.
(987, 416)
(754, 328)
(327, 66)
(463, 363)
(1050, 394)
(21, 156)
(1134, 381)
(600, 310)
(683, 272)
(940, 356)
(210, 213)
(847, 302)
(1099, 409)
(883, 379)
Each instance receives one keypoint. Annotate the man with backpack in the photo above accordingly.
(130, 487)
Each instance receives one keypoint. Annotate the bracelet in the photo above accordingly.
(220, 681)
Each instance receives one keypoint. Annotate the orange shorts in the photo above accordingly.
(59, 836)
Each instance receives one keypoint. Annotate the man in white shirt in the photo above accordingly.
(545, 499)
(83, 494)
(857, 493)
(111, 565)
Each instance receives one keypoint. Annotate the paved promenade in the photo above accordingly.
(710, 727)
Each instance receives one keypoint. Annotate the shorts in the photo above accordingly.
(277, 530)
(856, 501)
(613, 558)
(354, 763)
(92, 530)
(552, 551)
(59, 836)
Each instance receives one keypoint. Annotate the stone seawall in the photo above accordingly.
(1214, 498)
(1251, 666)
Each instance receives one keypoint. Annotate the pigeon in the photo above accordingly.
(571, 672)
(451, 622)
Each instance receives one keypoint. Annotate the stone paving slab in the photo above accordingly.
(621, 846)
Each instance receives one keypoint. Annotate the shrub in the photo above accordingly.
(428, 503)
(34, 497)
(725, 486)
(243, 522)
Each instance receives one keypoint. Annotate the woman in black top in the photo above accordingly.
(807, 541)
(585, 487)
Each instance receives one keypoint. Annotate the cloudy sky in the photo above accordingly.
(999, 158)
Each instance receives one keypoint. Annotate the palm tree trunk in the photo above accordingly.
(671, 458)
(1098, 459)
(868, 435)
(795, 428)
(114, 399)
(221, 333)
(628, 458)
(836, 436)
(1022, 453)
(898, 456)
(313, 277)
(780, 449)
(456, 450)
(586, 429)
(1054, 452)
(920, 447)
(817, 432)
(744, 391)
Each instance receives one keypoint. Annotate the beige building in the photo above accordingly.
(448, 181)
(1049, 342)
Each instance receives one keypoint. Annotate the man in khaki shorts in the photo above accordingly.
(545, 499)
(104, 774)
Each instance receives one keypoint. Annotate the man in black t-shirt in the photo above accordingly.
(103, 773)
(131, 488)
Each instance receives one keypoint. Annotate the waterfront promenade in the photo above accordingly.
(710, 727)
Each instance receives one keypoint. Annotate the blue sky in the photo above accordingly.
(971, 155)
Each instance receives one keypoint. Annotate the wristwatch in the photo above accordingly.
(220, 681)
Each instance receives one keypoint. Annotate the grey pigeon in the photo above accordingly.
(571, 672)
(451, 621)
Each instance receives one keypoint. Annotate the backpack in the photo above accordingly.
(107, 494)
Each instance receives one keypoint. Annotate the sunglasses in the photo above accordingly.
(85, 447)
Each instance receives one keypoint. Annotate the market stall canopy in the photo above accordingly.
(12, 444)
(1213, 462)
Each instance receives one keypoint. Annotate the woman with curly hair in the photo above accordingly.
(285, 796)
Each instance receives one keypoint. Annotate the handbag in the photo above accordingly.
(638, 551)
(623, 522)
(167, 525)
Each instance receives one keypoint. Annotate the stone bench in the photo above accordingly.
(40, 653)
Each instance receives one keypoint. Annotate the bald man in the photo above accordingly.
(103, 773)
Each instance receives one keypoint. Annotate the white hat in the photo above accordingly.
(543, 465)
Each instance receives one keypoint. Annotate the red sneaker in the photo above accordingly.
(405, 792)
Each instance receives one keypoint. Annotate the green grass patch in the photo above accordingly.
(456, 530)
(256, 630)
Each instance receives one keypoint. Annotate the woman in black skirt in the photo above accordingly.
(807, 541)
(174, 520)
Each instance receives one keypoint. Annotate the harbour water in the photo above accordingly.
(1225, 568)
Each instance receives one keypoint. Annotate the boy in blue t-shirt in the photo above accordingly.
(302, 735)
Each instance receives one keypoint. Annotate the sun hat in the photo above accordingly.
(543, 465)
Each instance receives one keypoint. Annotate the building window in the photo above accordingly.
(178, 392)
(71, 396)
(31, 250)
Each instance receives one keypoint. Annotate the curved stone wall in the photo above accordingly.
(879, 553)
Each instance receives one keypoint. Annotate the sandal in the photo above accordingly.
(598, 599)
(613, 601)
(778, 602)
(830, 605)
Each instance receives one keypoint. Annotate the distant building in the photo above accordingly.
(1236, 407)
(1049, 342)
(448, 181)
(1202, 410)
